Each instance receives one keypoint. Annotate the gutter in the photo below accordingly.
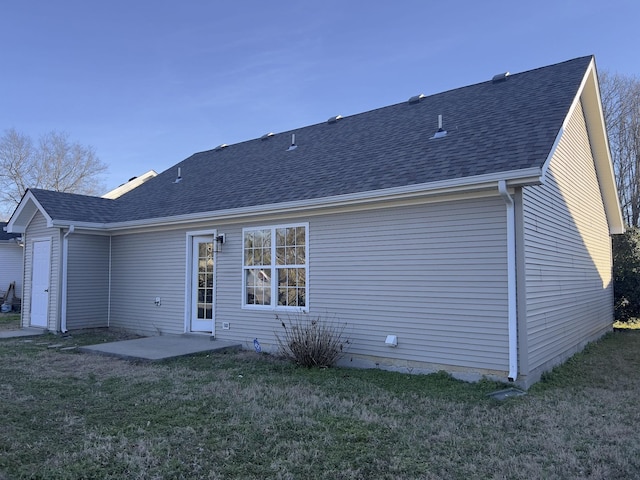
(511, 280)
(477, 183)
(65, 261)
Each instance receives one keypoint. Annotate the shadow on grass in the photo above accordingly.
(606, 363)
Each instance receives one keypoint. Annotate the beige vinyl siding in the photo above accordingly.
(245, 324)
(38, 230)
(569, 297)
(434, 275)
(87, 281)
(11, 267)
(146, 266)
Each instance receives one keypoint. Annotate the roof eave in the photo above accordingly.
(515, 178)
(24, 212)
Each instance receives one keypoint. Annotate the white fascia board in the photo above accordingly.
(80, 227)
(589, 94)
(574, 104)
(24, 212)
(592, 104)
(513, 178)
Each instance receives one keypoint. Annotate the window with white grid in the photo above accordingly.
(275, 267)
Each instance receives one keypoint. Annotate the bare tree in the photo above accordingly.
(55, 163)
(621, 107)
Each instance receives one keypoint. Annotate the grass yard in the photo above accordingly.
(9, 321)
(69, 415)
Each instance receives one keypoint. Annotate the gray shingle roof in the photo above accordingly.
(7, 237)
(492, 127)
(74, 207)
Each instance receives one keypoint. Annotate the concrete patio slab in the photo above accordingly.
(161, 347)
(22, 332)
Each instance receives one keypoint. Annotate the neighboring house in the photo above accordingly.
(11, 258)
(483, 246)
(134, 182)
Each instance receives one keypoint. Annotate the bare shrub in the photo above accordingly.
(312, 341)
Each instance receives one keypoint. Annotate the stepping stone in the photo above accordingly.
(27, 341)
(507, 393)
(68, 348)
(55, 345)
(42, 343)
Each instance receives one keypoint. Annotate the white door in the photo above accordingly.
(40, 283)
(202, 284)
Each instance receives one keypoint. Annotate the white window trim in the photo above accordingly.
(274, 284)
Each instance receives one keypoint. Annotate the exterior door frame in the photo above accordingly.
(189, 283)
(39, 283)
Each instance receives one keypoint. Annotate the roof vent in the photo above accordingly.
(179, 177)
(415, 99)
(441, 132)
(267, 136)
(334, 119)
(501, 77)
(293, 145)
(221, 146)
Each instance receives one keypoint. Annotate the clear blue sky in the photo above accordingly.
(148, 83)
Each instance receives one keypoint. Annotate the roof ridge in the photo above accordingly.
(391, 146)
(57, 192)
(376, 109)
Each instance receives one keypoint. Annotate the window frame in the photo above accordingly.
(273, 268)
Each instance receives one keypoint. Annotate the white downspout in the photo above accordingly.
(65, 255)
(511, 280)
(109, 293)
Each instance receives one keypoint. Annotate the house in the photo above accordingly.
(132, 183)
(10, 261)
(473, 225)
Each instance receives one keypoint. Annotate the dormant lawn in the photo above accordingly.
(68, 415)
